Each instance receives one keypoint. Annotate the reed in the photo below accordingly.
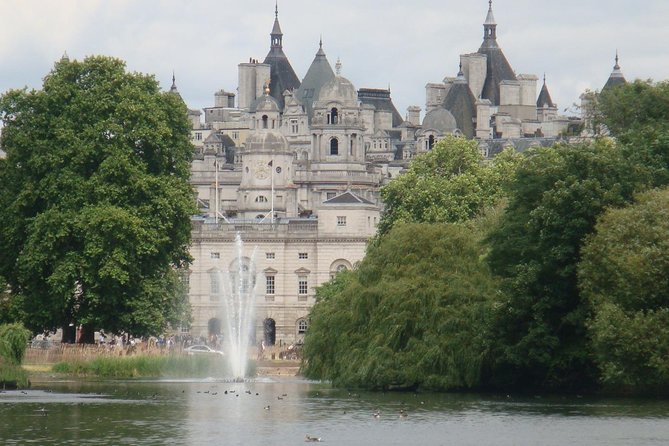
(13, 376)
(145, 366)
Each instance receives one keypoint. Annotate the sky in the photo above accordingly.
(398, 44)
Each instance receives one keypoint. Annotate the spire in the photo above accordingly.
(338, 67)
(65, 57)
(616, 77)
(320, 48)
(490, 19)
(276, 34)
(545, 100)
(173, 88)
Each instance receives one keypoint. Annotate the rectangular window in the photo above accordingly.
(294, 127)
(269, 282)
(331, 195)
(341, 220)
(270, 256)
(302, 286)
(303, 255)
(235, 135)
(215, 255)
(198, 136)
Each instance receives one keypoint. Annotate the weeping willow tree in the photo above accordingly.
(413, 315)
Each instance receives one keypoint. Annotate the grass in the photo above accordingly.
(13, 377)
(169, 366)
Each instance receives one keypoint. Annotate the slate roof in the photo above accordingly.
(381, 100)
(545, 99)
(347, 198)
(461, 103)
(498, 68)
(616, 78)
(282, 75)
(319, 73)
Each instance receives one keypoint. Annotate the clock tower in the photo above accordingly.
(267, 183)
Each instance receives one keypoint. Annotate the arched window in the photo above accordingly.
(333, 116)
(302, 326)
(264, 121)
(334, 146)
(269, 331)
(431, 142)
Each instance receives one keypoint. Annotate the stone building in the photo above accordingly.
(295, 167)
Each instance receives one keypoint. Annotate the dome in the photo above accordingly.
(267, 141)
(265, 103)
(339, 89)
(441, 120)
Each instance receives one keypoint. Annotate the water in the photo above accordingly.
(237, 312)
(200, 413)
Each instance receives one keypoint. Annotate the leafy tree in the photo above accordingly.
(412, 315)
(637, 114)
(539, 329)
(624, 273)
(13, 342)
(449, 184)
(96, 203)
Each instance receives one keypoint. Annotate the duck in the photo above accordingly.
(311, 439)
(376, 414)
(403, 413)
(267, 407)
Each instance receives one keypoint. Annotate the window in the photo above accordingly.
(302, 285)
(331, 195)
(334, 146)
(269, 285)
(431, 142)
(302, 326)
(264, 121)
(303, 255)
(294, 127)
(270, 256)
(333, 116)
(261, 199)
(215, 255)
(198, 136)
(341, 220)
(215, 283)
(235, 135)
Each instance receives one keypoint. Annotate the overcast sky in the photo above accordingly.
(404, 44)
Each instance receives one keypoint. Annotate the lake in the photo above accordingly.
(279, 411)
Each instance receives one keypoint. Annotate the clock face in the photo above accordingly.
(261, 170)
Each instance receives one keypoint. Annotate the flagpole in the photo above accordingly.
(216, 194)
(271, 172)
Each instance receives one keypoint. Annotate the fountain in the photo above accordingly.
(238, 308)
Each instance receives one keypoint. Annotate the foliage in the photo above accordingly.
(449, 184)
(412, 315)
(625, 275)
(13, 342)
(637, 114)
(13, 376)
(172, 366)
(95, 202)
(539, 333)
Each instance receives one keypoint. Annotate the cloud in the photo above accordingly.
(404, 44)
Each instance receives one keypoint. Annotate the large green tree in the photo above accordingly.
(637, 115)
(96, 202)
(539, 328)
(449, 184)
(412, 315)
(624, 273)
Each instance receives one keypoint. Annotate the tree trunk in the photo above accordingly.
(69, 334)
(87, 334)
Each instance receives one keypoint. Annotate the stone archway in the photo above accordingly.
(269, 332)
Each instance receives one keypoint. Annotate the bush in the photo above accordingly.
(12, 376)
(13, 342)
